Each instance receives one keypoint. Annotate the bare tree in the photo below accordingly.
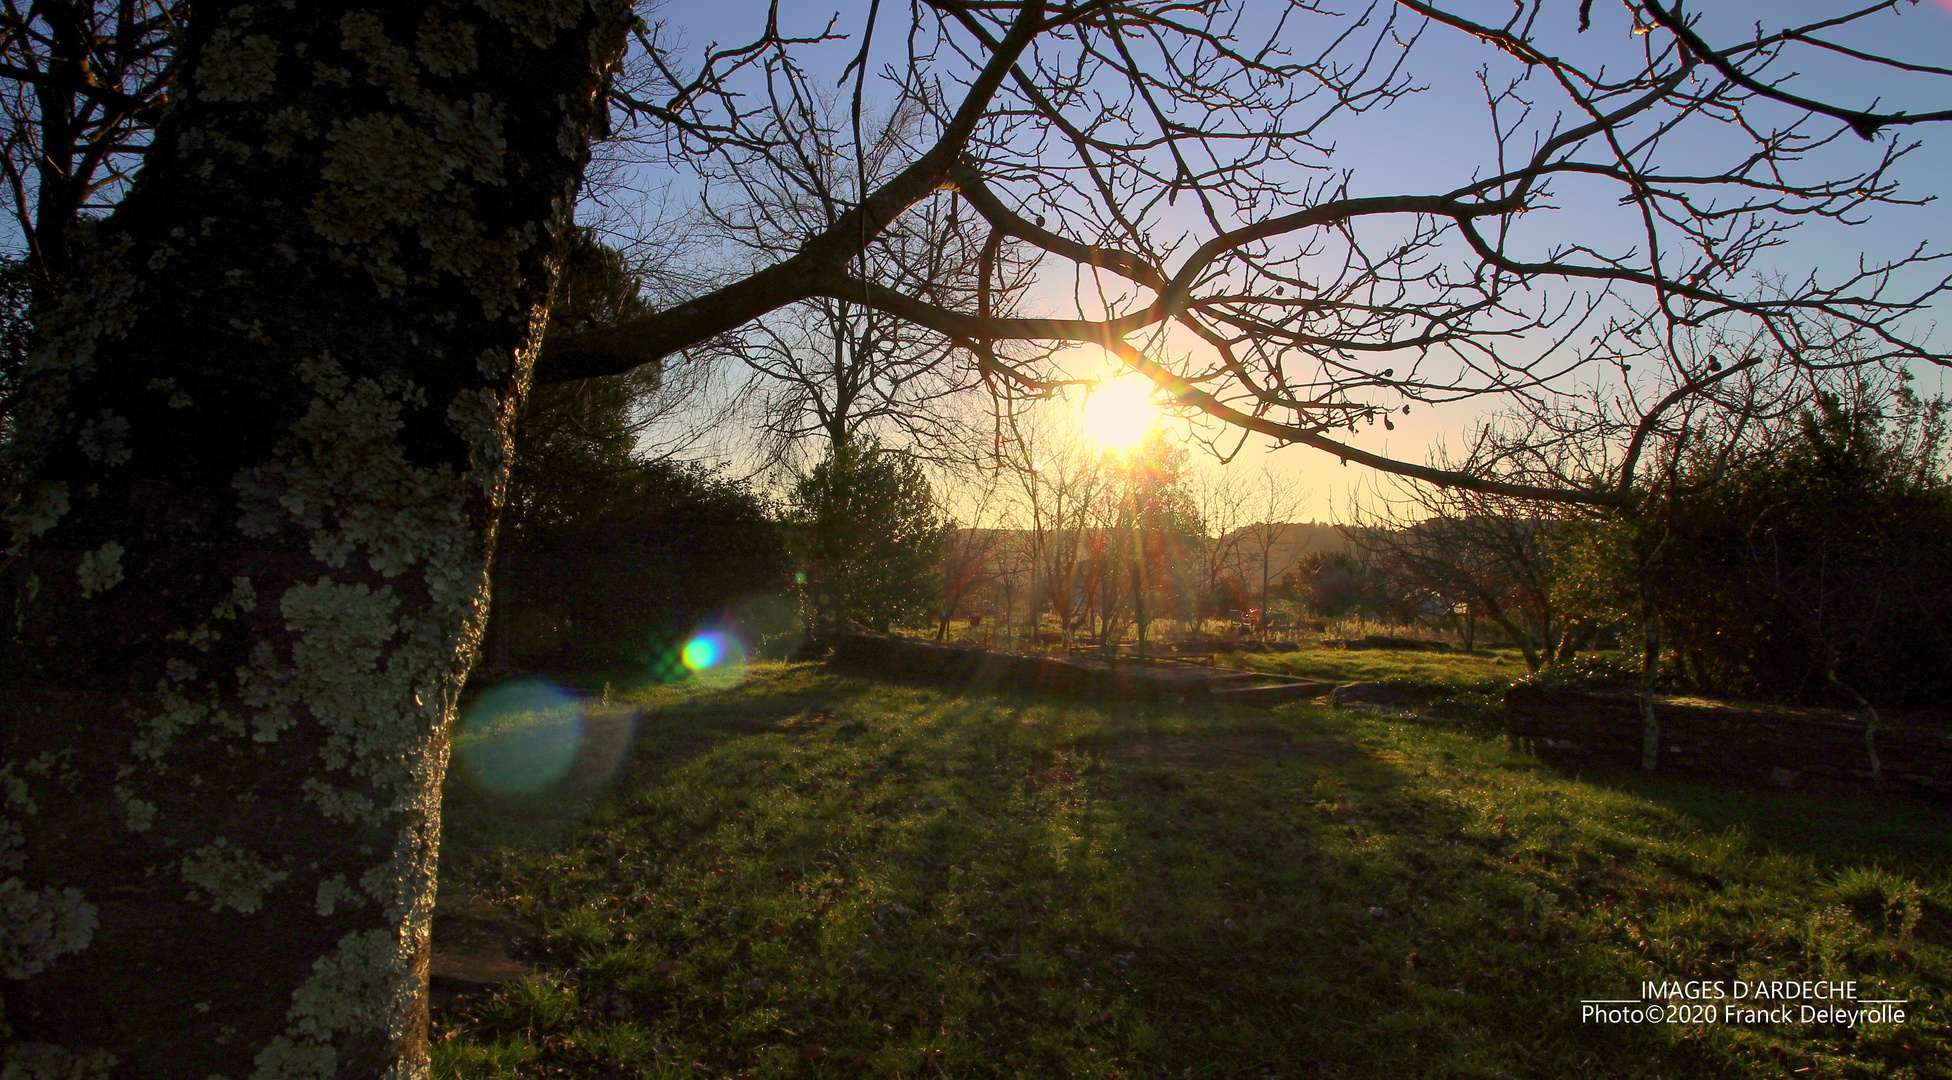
(1108, 575)
(972, 545)
(1058, 478)
(1273, 500)
(827, 367)
(1079, 128)
(1490, 553)
(81, 82)
(1013, 591)
(1218, 502)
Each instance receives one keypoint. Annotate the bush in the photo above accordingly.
(606, 560)
(1822, 571)
(662, 550)
(1586, 672)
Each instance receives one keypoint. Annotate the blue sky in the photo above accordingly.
(1440, 136)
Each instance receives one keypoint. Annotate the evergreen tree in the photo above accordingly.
(867, 532)
(1816, 568)
(654, 552)
(575, 439)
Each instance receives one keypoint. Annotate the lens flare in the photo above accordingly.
(716, 658)
(520, 737)
(702, 652)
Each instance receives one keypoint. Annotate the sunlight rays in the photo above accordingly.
(1118, 413)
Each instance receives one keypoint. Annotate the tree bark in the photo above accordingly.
(264, 449)
(1650, 666)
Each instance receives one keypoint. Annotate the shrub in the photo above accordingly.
(665, 548)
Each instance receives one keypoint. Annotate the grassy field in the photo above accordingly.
(821, 876)
(1457, 670)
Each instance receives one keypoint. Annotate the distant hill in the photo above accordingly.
(1293, 541)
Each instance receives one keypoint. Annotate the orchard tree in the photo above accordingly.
(1147, 509)
(1273, 502)
(1493, 555)
(1059, 481)
(972, 548)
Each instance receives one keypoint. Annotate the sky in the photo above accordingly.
(1442, 135)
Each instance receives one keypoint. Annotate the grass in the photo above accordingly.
(1457, 670)
(819, 876)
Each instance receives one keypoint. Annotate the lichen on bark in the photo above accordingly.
(46, 1061)
(39, 925)
(281, 526)
(366, 986)
(230, 876)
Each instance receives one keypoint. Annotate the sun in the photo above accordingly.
(1117, 414)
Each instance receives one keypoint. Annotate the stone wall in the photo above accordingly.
(1741, 742)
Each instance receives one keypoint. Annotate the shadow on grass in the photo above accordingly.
(1833, 828)
(485, 832)
(817, 876)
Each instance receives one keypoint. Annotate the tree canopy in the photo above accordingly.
(1819, 571)
(1175, 163)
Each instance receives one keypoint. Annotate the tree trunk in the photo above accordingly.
(264, 449)
(1574, 634)
(1650, 665)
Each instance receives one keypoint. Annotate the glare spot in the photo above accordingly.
(520, 737)
(717, 658)
(1119, 413)
(702, 652)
